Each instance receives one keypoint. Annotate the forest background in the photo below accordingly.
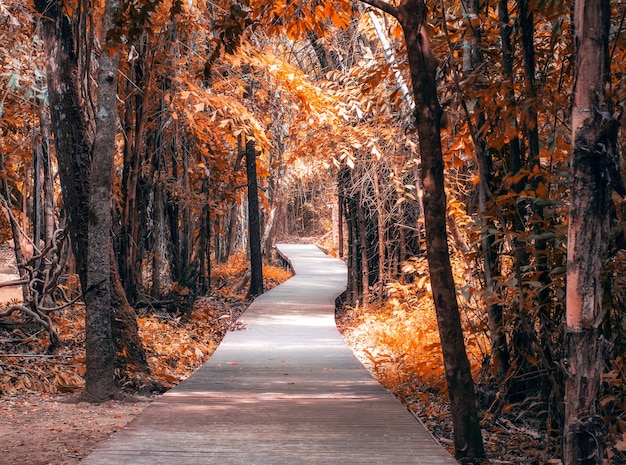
(311, 105)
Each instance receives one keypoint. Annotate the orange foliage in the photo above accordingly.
(400, 343)
(399, 339)
(177, 347)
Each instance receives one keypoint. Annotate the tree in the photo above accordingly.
(254, 223)
(100, 363)
(74, 157)
(594, 176)
(411, 14)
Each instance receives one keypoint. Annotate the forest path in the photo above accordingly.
(285, 390)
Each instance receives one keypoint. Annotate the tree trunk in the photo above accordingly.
(204, 244)
(73, 150)
(37, 197)
(49, 221)
(130, 354)
(380, 218)
(254, 224)
(363, 250)
(534, 166)
(340, 234)
(16, 232)
(72, 139)
(499, 349)
(593, 175)
(100, 366)
(411, 15)
(134, 127)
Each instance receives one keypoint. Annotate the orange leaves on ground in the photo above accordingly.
(176, 348)
(48, 375)
(274, 275)
(400, 338)
(230, 279)
(401, 343)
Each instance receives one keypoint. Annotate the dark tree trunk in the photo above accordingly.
(173, 222)
(134, 127)
(412, 17)
(534, 164)
(72, 139)
(158, 245)
(37, 196)
(254, 223)
(74, 159)
(340, 234)
(363, 251)
(499, 349)
(204, 244)
(130, 354)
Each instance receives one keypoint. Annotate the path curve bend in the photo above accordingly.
(285, 390)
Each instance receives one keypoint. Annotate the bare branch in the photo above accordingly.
(14, 282)
(43, 320)
(384, 6)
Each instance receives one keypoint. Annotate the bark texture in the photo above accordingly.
(73, 145)
(593, 172)
(100, 359)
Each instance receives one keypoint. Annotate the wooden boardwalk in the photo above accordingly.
(286, 390)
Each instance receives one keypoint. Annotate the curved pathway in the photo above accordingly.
(286, 390)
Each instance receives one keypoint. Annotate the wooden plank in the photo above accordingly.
(285, 390)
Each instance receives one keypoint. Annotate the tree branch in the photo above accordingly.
(384, 6)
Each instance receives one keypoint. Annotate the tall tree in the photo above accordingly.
(74, 157)
(593, 175)
(411, 14)
(100, 359)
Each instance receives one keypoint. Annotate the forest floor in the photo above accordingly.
(41, 422)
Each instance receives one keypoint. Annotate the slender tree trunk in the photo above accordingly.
(363, 250)
(354, 263)
(340, 233)
(49, 222)
(254, 224)
(204, 249)
(159, 246)
(173, 221)
(412, 17)
(37, 196)
(500, 355)
(534, 163)
(382, 259)
(499, 349)
(594, 175)
(135, 123)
